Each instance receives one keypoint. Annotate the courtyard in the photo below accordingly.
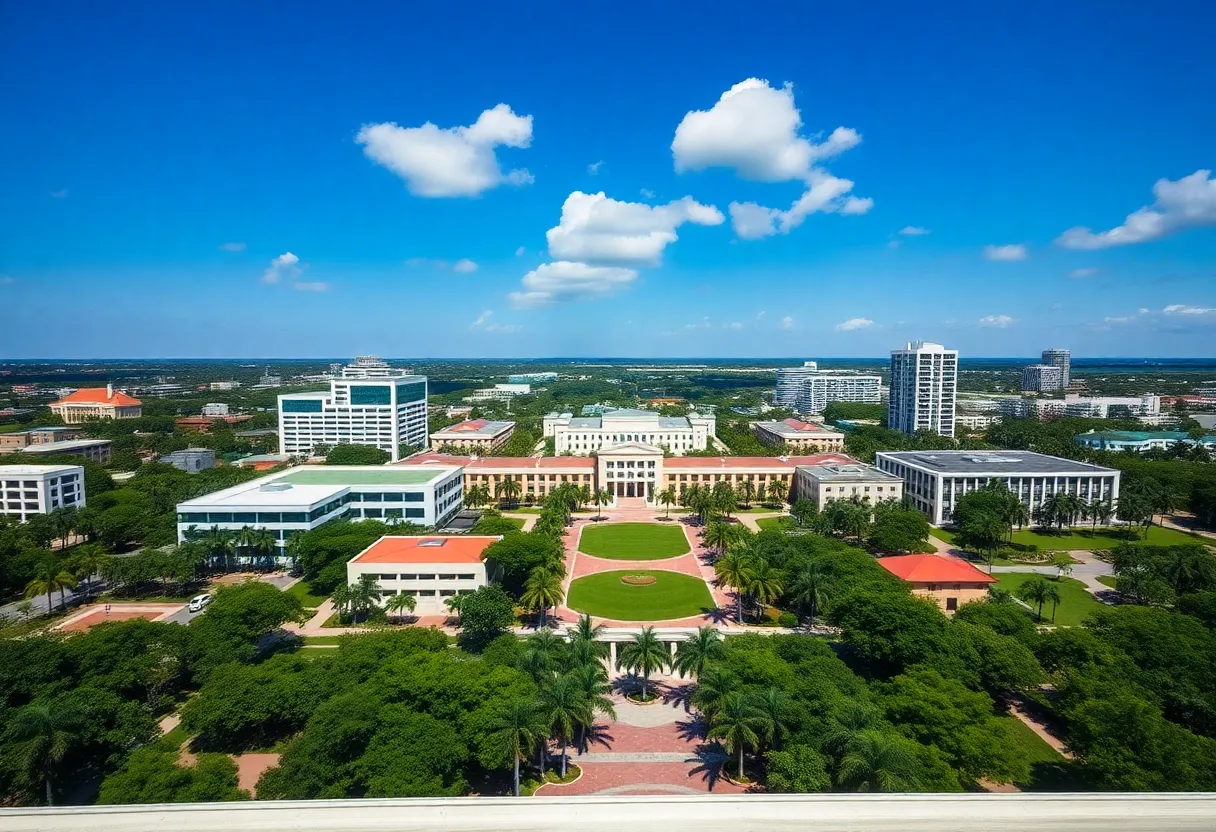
(634, 541)
(640, 595)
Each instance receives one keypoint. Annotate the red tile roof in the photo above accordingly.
(98, 395)
(798, 424)
(426, 549)
(485, 464)
(715, 463)
(934, 569)
(470, 425)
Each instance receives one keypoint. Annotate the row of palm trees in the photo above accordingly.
(57, 574)
(1062, 509)
(224, 546)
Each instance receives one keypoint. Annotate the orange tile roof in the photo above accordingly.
(470, 425)
(713, 463)
(798, 424)
(934, 569)
(97, 395)
(581, 464)
(425, 549)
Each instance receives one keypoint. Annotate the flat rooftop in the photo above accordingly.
(7, 471)
(463, 549)
(475, 427)
(795, 428)
(698, 464)
(64, 445)
(313, 484)
(338, 475)
(850, 473)
(993, 462)
(493, 464)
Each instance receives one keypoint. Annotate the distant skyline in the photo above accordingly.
(625, 180)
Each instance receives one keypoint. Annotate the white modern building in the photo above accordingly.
(821, 389)
(583, 435)
(1074, 404)
(1139, 441)
(306, 497)
(26, 490)
(924, 386)
(224, 385)
(821, 484)
(789, 383)
(1038, 378)
(499, 392)
(935, 480)
(531, 378)
(551, 421)
(369, 366)
(385, 412)
(1061, 358)
(974, 421)
(215, 409)
(428, 569)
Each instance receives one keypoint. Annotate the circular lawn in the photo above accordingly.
(634, 541)
(670, 595)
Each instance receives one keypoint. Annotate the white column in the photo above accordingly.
(612, 653)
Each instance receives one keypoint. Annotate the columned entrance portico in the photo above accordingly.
(631, 470)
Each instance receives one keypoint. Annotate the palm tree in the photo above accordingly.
(585, 641)
(263, 543)
(1037, 591)
(87, 561)
(542, 590)
(364, 593)
(602, 498)
(695, 653)
(563, 708)
(517, 729)
(592, 682)
(735, 570)
(536, 660)
(1053, 595)
(774, 708)
(342, 598)
(810, 588)
(714, 685)
(667, 498)
(49, 578)
(718, 535)
(1017, 514)
(765, 584)
(401, 604)
(746, 492)
(43, 739)
(738, 725)
(454, 603)
(645, 654)
(762, 492)
(1188, 567)
(777, 490)
(876, 762)
(508, 490)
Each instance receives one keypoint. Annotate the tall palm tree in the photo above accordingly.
(50, 577)
(735, 570)
(41, 733)
(602, 498)
(454, 603)
(87, 561)
(762, 492)
(746, 492)
(738, 725)
(564, 709)
(875, 762)
(718, 535)
(714, 685)
(542, 590)
(645, 654)
(777, 490)
(342, 597)
(517, 729)
(774, 707)
(592, 682)
(810, 588)
(694, 654)
(765, 584)
(667, 498)
(537, 662)
(1037, 591)
(508, 490)
(400, 605)
(263, 543)
(364, 593)
(585, 641)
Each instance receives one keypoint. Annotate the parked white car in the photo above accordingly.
(198, 602)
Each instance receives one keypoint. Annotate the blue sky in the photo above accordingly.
(250, 179)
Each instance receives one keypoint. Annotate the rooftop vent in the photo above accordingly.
(432, 542)
(275, 486)
(991, 459)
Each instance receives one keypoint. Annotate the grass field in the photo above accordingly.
(1082, 538)
(781, 524)
(1075, 601)
(309, 599)
(672, 596)
(1108, 580)
(1035, 748)
(634, 541)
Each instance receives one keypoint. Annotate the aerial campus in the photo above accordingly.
(499, 416)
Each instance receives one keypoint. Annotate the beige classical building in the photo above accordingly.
(797, 435)
(537, 476)
(821, 484)
(478, 435)
(949, 582)
(96, 403)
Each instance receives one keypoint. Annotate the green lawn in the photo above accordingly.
(1075, 601)
(309, 599)
(634, 541)
(672, 596)
(1108, 580)
(1082, 538)
(1035, 747)
(783, 523)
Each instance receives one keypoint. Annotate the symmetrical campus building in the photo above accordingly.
(371, 404)
(924, 386)
(26, 490)
(306, 497)
(935, 480)
(96, 403)
(583, 435)
(796, 435)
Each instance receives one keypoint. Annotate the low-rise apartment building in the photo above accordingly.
(477, 435)
(26, 490)
(428, 569)
(797, 435)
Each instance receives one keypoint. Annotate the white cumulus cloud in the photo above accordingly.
(597, 228)
(786, 323)
(565, 280)
(913, 231)
(734, 325)
(754, 129)
(455, 161)
(285, 265)
(998, 321)
(1182, 309)
(464, 266)
(854, 323)
(1189, 202)
(1015, 251)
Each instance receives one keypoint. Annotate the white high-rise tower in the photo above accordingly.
(924, 386)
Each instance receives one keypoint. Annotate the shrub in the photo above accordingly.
(787, 620)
